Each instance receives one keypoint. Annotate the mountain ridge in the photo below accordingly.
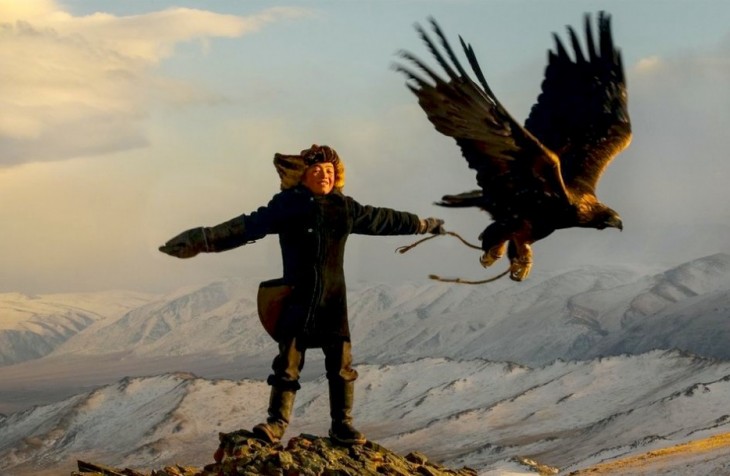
(472, 413)
(575, 369)
(587, 312)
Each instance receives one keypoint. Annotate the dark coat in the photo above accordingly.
(312, 233)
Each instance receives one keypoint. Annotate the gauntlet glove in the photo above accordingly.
(435, 226)
(205, 239)
(187, 244)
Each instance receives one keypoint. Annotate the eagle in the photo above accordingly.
(540, 177)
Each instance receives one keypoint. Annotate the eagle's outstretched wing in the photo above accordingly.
(507, 157)
(581, 113)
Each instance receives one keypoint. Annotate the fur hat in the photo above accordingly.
(291, 168)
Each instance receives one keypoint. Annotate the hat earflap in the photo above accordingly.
(290, 168)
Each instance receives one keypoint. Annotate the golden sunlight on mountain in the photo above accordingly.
(664, 460)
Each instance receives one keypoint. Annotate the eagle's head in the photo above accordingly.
(601, 217)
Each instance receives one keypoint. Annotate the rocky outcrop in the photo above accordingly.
(241, 454)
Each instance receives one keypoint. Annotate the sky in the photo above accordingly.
(125, 123)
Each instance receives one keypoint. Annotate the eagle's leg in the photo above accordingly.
(494, 242)
(520, 258)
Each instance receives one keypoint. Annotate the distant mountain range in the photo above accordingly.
(568, 369)
(574, 315)
(34, 326)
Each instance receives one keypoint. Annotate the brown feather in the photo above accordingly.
(582, 110)
(493, 143)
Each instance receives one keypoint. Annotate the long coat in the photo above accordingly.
(312, 233)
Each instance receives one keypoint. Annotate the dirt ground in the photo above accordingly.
(707, 457)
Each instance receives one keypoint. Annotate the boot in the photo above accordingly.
(281, 403)
(341, 398)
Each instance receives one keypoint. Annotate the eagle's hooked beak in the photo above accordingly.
(611, 220)
(615, 222)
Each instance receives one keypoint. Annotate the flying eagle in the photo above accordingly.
(541, 177)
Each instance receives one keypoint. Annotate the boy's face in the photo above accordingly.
(320, 178)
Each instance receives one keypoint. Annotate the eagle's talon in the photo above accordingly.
(490, 257)
(519, 269)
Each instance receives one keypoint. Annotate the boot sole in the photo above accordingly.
(344, 442)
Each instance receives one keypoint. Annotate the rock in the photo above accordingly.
(92, 469)
(241, 454)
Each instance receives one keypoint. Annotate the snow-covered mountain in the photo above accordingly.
(575, 315)
(212, 329)
(218, 317)
(33, 326)
(476, 413)
(561, 368)
(578, 314)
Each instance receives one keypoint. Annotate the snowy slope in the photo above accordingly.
(212, 329)
(435, 374)
(577, 314)
(581, 314)
(33, 326)
(476, 413)
(217, 317)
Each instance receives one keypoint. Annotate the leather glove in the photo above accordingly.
(187, 244)
(435, 226)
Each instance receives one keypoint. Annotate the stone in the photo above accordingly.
(240, 453)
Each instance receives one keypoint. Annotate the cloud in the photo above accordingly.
(687, 80)
(648, 65)
(11, 11)
(73, 86)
